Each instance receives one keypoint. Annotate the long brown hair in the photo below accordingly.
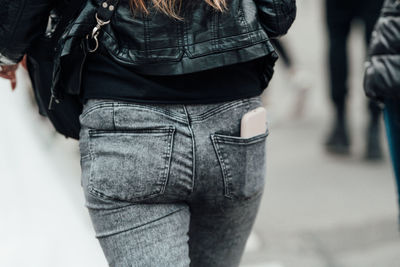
(172, 8)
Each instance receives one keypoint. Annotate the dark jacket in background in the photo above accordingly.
(382, 73)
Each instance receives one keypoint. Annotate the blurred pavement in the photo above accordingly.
(318, 210)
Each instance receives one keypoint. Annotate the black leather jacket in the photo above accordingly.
(156, 44)
(382, 73)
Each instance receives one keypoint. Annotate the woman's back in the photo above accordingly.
(168, 177)
(204, 38)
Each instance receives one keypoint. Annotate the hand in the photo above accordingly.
(8, 72)
(23, 63)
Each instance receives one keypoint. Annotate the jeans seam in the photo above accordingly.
(235, 140)
(85, 157)
(214, 111)
(113, 116)
(222, 108)
(170, 115)
(168, 156)
(92, 160)
(95, 107)
(139, 226)
(160, 130)
(193, 147)
(224, 171)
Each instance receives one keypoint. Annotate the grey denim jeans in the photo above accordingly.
(171, 185)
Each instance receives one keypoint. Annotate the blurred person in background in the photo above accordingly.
(283, 53)
(299, 78)
(164, 168)
(382, 76)
(340, 15)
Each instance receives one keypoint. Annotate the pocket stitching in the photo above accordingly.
(168, 131)
(235, 140)
(225, 173)
(168, 155)
(169, 114)
(85, 157)
(138, 131)
(223, 108)
(94, 108)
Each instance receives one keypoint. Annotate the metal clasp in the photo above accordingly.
(95, 34)
(53, 99)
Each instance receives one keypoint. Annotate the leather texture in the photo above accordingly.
(152, 44)
(140, 40)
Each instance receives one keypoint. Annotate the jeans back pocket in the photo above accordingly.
(130, 165)
(243, 164)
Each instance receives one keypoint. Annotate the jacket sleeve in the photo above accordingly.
(276, 16)
(382, 71)
(21, 21)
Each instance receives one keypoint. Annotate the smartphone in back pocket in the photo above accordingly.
(253, 123)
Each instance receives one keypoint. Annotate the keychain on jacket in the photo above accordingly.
(103, 17)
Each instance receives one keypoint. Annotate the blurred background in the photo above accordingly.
(318, 210)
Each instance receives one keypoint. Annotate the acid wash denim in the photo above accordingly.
(170, 185)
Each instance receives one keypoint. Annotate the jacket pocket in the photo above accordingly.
(243, 164)
(130, 165)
